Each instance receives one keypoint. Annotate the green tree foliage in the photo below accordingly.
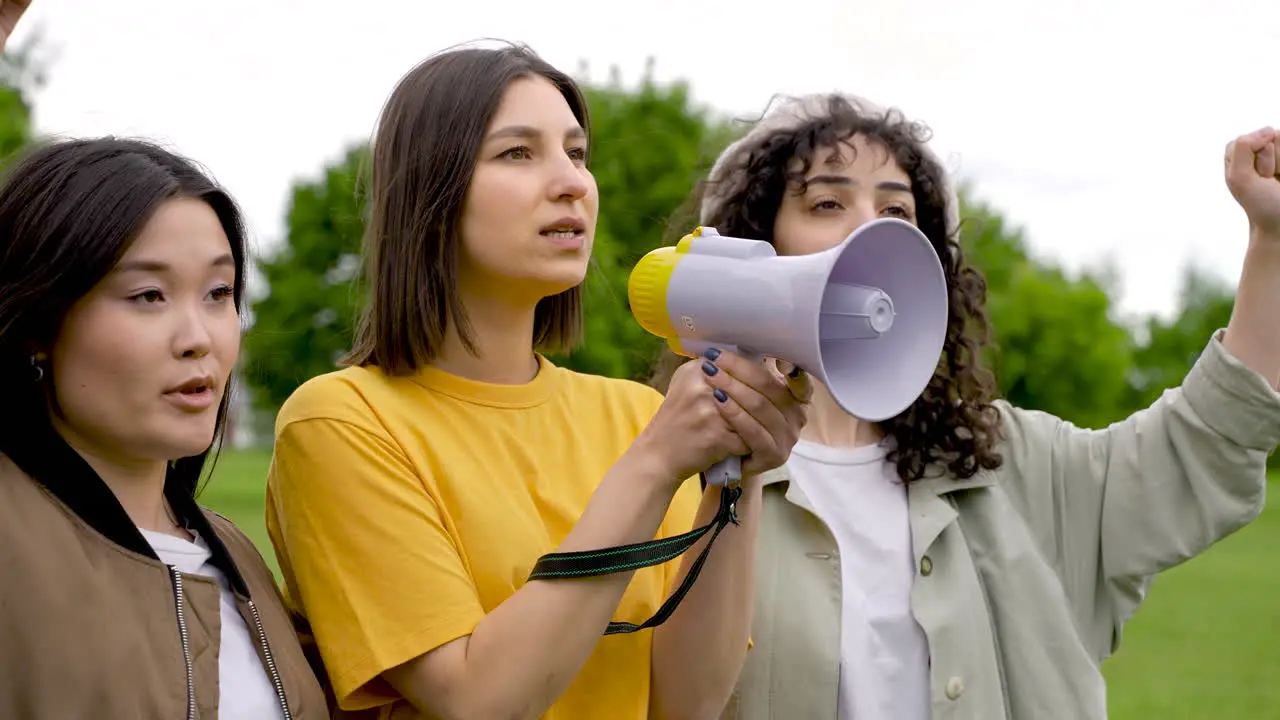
(1056, 346)
(22, 73)
(1172, 346)
(305, 321)
(650, 145)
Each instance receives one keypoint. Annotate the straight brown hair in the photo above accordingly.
(424, 153)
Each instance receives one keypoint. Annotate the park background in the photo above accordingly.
(1088, 138)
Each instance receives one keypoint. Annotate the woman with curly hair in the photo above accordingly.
(969, 559)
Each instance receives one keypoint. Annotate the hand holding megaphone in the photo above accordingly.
(867, 318)
(724, 405)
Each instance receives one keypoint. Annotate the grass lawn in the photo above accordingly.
(1206, 644)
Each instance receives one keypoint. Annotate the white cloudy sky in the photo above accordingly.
(1098, 126)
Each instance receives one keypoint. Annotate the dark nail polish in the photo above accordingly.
(720, 395)
(711, 353)
(709, 368)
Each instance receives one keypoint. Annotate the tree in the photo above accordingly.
(1171, 347)
(652, 145)
(22, 73)
(1056, 345)
(305, 321)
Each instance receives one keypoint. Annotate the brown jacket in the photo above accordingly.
(93, 624)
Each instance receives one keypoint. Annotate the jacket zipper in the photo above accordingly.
(180, 603)
(271, 662)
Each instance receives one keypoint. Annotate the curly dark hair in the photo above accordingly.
(953, 423)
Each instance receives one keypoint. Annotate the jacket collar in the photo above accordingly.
(934, 486)
(46, 457)
(932, 509)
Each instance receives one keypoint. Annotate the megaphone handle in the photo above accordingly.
(727, 471)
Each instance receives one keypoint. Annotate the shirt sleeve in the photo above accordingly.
(1112, 508)
(377, 574)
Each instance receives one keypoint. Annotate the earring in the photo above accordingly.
(37, 369)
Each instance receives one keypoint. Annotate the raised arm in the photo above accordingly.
(1253, 176)
(1111, 508)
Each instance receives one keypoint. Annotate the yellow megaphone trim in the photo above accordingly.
(647, 287)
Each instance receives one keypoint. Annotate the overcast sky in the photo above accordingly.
(1092, 124)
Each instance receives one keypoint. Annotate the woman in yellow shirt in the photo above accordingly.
(412, 492)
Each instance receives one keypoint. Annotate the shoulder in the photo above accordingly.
(343, 395)
(245, 554)
(617, 391)
(13, 479)
(222, 524)
(24, 503)
(1022, 428)
(230, 534)
(611, 404)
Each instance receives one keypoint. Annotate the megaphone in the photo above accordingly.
(866, 318)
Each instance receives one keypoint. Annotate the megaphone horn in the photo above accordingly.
(866, 318)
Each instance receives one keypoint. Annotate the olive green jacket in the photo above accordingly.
(1025, 574)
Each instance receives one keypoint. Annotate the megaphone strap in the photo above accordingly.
(622, 558)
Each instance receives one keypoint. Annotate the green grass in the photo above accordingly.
(237, 490)
(1206, 644)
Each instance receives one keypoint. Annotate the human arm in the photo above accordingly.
(687, 422)
(1253, 175)
(699, 652)
(1111, 508)
(372, 556)
(384, 585)
(523, 655)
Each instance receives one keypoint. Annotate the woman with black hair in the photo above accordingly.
(121, 285)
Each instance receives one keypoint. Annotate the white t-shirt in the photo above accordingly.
(245, 691)
(884, 653)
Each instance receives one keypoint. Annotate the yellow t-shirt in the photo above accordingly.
(402, 510)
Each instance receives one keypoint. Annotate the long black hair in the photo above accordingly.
(69, 210)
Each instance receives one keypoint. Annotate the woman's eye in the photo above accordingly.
(148, 297)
